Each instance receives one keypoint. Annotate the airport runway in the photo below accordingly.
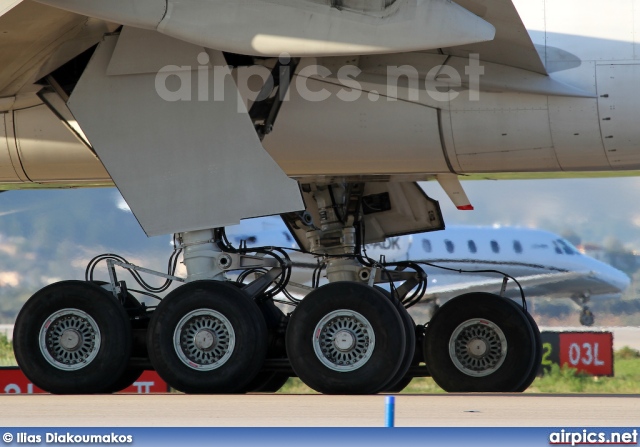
(174, 410)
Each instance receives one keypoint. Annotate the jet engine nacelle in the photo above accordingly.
(312, 28)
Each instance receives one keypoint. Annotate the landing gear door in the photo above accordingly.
(396, 209)
(388, 210)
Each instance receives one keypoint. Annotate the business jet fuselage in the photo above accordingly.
(354, 102)
(545, 264)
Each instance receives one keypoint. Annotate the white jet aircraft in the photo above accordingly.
(544, 264)
(207, 112)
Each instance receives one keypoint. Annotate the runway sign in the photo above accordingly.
(13, 381)
(588, 352)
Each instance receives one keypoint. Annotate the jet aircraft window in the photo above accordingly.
(472, 246)
(495, 247)
(517, 247)
(566, 247)
(426, 245)
(449, 245)
(557, 247)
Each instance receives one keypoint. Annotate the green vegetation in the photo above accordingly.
(6, 352)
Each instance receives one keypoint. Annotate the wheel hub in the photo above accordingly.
(478, 347)
(204, 339)
(344, 340)
(69, 339)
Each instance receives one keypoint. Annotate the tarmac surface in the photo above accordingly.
(260, 410)
(176, 410)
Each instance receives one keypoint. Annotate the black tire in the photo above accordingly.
(129, 375)
(269, 382)
(79, 302)
(398, 382)
(587, 318)
(216, 301)
(126, 379)
(538, 353)
(400, 385)
(373, 367)
(487, 314)
(275, 319)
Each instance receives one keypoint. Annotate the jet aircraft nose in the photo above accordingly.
(617, 278)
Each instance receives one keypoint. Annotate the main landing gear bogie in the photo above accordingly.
(210, 337)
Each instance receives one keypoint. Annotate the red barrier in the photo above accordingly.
(13, 381)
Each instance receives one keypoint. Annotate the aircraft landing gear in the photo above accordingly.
(586, 317)
(212, 335)
(481, 342)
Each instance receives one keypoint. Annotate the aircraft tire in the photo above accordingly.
(129, 375)
(538, 353)
(398, 382)
(207, 337)
(72, 337)
(346, 338)
(126, 379)
(493, 327)
(271, 381)
(586, 317)
(399, 386)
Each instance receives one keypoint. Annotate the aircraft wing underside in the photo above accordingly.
(511, 46)
(37, 39)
